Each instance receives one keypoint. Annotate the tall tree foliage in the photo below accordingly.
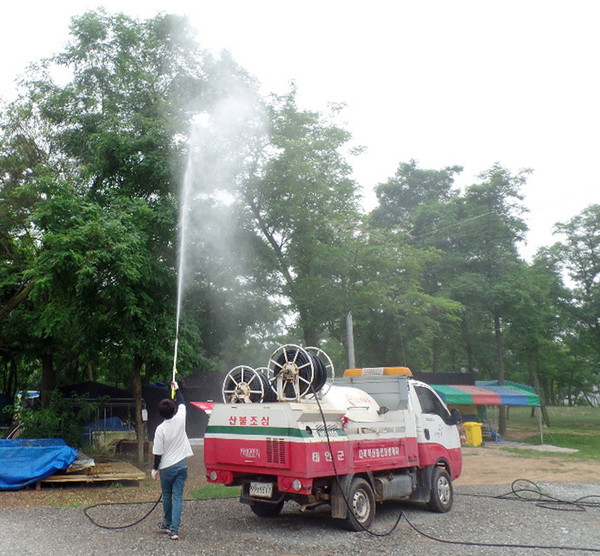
(486, 259)
(304, 207)
(105, 241)
(579, 256)
(414, 211)
(475, 236)
(99, 162)
(89, 177)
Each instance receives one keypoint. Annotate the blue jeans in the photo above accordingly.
(172, 480)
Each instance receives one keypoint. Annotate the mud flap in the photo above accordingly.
(340, 487)
(423, 491)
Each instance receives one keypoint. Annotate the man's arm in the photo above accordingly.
(155, 467)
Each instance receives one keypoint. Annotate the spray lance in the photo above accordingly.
(174, 368)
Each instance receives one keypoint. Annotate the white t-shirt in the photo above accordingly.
(171, 441)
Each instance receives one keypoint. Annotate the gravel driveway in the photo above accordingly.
(226, 527)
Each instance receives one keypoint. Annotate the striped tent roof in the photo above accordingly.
(488, 392)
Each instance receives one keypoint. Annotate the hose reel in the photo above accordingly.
(326, 365)
(292, 373)
(295, 372)
(244, 384)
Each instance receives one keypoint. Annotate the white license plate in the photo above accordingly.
(262, 490)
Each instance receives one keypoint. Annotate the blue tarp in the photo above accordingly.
(103, 425)
(23, 462)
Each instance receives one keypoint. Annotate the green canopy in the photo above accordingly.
(488, 392)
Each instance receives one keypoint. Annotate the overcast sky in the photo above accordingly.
(444, 82)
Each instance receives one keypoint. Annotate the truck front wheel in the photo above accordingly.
(442, 493)
(361, 502)
(266, 509)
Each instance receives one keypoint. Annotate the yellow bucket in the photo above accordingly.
(473, 432)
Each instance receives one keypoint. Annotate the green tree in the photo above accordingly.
(578, 255)
(466, 244)
(304, 207)
(405, 197)
(109, 149)
(536, 324)
(395, 318)
(486, 259)
(416, 208)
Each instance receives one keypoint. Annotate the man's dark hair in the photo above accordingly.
(167, 408)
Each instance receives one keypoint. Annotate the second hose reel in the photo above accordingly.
(292, 373)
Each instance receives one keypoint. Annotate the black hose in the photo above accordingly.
(498, 545)
(337, 478)
(270, 395)
(115, 527)
(320, 377)
(533, 493)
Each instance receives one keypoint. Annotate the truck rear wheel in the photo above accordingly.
(266, 509)
(361, 502)
(442, 493)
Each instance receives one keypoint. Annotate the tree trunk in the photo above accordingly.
(11, 380)
(500, 366)
(535, 378)
(435, 352)
(468, 346)
(89, 372)
(136, 388)
(48, 378)
(311, 337)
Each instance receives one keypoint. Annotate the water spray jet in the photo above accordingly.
(219, 146)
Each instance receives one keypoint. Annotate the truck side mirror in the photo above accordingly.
(455, 417)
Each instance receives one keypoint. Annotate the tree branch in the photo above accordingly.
(15, 300)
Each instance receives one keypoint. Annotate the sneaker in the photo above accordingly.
(163, 528)
(174, 536)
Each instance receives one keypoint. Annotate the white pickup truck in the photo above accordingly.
(372, 435)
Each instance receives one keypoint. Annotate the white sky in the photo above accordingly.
(467, 82)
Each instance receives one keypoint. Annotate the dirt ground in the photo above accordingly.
(489, 464)
(495, 465)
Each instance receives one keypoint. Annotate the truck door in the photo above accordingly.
(437, 424)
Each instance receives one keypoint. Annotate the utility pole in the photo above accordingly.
(350, 336)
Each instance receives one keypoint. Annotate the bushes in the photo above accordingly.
(63, 418)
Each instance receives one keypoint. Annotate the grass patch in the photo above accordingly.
(570, 427)
(211, 490)
(66, 504)
(561, 417)
(587, 444)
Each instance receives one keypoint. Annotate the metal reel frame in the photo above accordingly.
(329, 368)
(243, 382)
(295, 371)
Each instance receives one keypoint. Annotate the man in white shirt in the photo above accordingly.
(171, 448)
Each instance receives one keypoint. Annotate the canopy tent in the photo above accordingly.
(488, 392)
